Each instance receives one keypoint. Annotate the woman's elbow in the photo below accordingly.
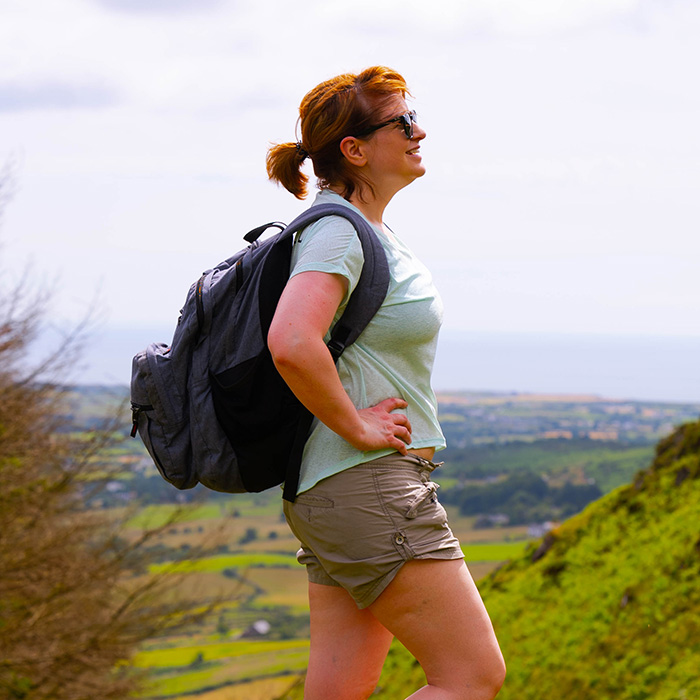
(294, 346)
(283, 346)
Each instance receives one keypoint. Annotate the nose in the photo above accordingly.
(418, 132)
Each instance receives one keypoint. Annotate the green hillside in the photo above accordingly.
(608, 605)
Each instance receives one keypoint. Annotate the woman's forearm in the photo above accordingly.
(309, 371)
(311, 374)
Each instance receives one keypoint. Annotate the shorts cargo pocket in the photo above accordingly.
(428, 494)
(424, 517)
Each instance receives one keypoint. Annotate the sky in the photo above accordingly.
(562, 150)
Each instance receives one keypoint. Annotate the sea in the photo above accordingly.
(627, 367)
(635, 367)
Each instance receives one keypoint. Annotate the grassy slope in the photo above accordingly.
(608, 606)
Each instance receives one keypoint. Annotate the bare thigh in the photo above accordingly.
(348, 647)
(434, 608)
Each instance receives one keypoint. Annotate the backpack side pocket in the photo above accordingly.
(159, 417)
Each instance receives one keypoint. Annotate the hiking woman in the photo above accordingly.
(380, 556)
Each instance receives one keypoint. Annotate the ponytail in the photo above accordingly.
(284, 166)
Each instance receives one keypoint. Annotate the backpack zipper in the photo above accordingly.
(136, 410)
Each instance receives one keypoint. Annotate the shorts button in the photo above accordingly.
(399, 538)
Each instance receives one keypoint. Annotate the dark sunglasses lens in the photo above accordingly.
(407, 122)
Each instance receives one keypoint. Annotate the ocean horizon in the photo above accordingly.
(631, 367)
(624, 367)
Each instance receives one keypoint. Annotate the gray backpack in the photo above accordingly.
(210, 407)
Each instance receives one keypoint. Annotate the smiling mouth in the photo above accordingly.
(414, 151)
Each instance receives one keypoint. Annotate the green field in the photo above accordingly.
(172, 657)
(493, 552)
(206, 666)
(226, 561)
(154, 516)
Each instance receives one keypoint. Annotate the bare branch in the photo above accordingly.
(76, 597)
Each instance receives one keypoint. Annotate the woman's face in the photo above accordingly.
(393, 159)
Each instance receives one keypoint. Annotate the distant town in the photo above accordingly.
(478, 418)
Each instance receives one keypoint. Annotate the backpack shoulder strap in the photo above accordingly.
(373, 284)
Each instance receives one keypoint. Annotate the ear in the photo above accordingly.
(353, 150)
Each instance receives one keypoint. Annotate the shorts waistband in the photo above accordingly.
(395, 459)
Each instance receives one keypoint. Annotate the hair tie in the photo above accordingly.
(302, 151)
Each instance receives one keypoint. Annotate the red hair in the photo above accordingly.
(339, 107)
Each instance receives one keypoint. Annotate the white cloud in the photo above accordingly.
(559, 133)
(146, 7)
(50, 95)
(479, 17)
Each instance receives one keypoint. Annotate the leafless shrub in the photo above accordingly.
(72, 607)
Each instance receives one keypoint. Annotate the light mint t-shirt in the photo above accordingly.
(393, 356)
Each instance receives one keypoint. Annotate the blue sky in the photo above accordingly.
(562, 152)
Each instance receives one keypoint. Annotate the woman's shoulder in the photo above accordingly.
(329, 228)
(329, 245)
(332, 226)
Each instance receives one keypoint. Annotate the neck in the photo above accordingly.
(371, 205)
(372, 210)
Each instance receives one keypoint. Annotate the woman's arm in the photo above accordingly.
(304, 314)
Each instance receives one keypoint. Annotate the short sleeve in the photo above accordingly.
(331, 245)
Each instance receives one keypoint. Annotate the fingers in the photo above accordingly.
(401, 428)
(384, 428)
(392, 404)
(396, 429)
(401, 447)
(401, 419)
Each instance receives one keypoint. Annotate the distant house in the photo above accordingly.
(540, 529)
(603, 435)
(260, 628)
(558, 435)
(488, 520)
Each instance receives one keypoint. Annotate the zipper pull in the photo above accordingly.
(136, 410)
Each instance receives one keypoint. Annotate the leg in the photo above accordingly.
(348, 647)
(435, 610)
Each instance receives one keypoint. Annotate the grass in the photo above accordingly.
(155, 516)
(286, 588)
(227, 561)
(177, 657)
(208, 666)
(260, 689)
(493, 552)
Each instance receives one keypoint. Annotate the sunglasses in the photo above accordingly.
(407, 121)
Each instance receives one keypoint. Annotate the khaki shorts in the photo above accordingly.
(357, 528)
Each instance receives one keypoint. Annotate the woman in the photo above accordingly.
(380, 556)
